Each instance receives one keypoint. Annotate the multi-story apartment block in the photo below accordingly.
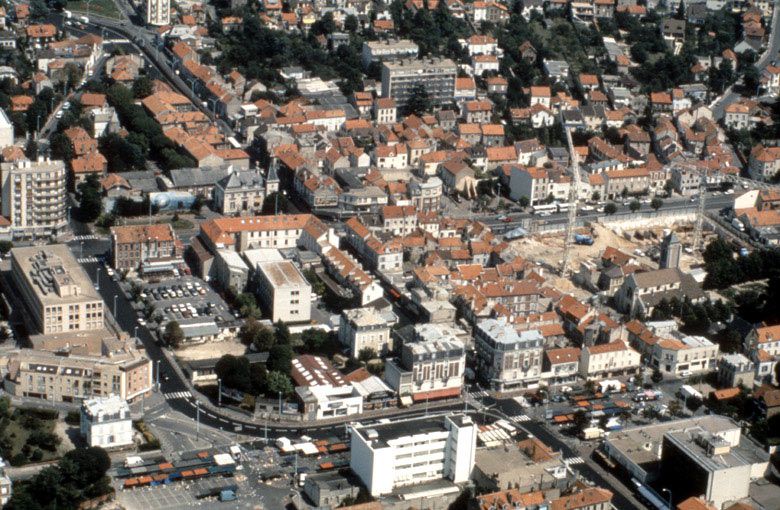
(52, 376)
(537, 184)
(431, 367)
(764, 163)
(34, 197)
(426, 196)
(685, 355)
(282, 287)
(55, 289)
(607, 360)
(240, 192)
(686, 179)
(282, 231)
(630, 180)
(735, 369)
(143, 246)
(385, 110)
(388, 50)
(437, 76)
(399, 220)
(366, 328)
(106, 422)
(409, 452)
(158, 12)
(507, 359)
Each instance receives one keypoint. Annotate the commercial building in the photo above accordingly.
(431, 367)
(33, 197)
(55, 289)
(437, 76)
(388, 50)
(158, 12)
(282, 287)
(684, 355)
(695, 461)
(608, 360)
(507, 359)
(366, 328)
(106, 422)
(99, 367)
(408, 452)
(144, 247)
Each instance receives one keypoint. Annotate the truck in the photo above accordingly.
(738, 225)
(67, 13)
(687, 391)
(84, 19)
(590, 433)
(583, 239)
(647, 396)
(611, 385)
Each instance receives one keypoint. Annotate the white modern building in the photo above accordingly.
(507, 359)
(158, 12)
(408, 452)
(381, 51)
(106, 422)
(6, 130)
(365, 328)
(33, 198)
(283, 288)
(329, 401)
(684, 355)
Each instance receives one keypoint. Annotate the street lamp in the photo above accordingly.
(115, 296)
(157, 379)
(135, 332)
(97, 278)
(219, 392)
(670, 496)
(280, 404)
(81, 249)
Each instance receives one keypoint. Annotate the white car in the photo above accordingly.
(109, 271)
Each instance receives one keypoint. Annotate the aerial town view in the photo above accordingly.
(390, 254)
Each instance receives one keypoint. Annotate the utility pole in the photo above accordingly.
(197, 420)
(573, 197)
(219, 393)
(700, 210)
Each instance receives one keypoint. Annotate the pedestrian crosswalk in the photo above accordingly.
(478, 394)
(177, 394)
(521, 418)
(87, 237)
(88, 260)
(574, 460)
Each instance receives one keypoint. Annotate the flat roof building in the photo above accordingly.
(284, 289)
(33, 198)
(390, 455)
(56, 289)
(437, 76)
(505, 358)
(106, 422)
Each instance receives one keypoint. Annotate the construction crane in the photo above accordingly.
(574, 191)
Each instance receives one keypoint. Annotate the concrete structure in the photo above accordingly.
(55, 289)
(158, 12)
(429, 368)
(230, 270)
(365, 328)
(507, 359)
(330, 489)
(735, 369)
(388, 50)
(282, 287)
(148, 247)
(327, 401)
(106, 422)
(6, 131)
(437, 75)
(33, 197)
(670, 251)
(408, 452)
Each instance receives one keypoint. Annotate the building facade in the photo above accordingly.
(364, 328)
(158, 12)
(399, 78)
(133, 246)
(283, 288)
(106, 422)
(507, 359)
(33, 196)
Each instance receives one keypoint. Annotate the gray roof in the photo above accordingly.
(242, 179)
(658, 277)
(142, 180)
(186, 177)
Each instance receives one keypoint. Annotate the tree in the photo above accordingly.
(675, 408)
(197, 204)
(524, 201)
(656, 203)
(274, 203)
(315, 340)
(142, 87)
(31, 150)
(280, 358)
(634, 205)
(366, 354)
(596, 196)
(234, 372)
(5, 247)
(419, 101)
(351, 23)
(610, 209)
(173, 334)
(680, 11)
(581, 421)
(751, 79)
(657, 376)
(668, 187)
(282, 333)
(277, 382)
(39, 9)
(90, 202)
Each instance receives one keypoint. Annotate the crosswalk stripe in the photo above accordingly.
(86, 237)
(574, 460)
(177, 394)
(521, 418)
(88, 260)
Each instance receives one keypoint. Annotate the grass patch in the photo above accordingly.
(182, 224)
(27, 434)
(150, 440)
(106, 8)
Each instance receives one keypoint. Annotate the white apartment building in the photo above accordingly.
(766, 338)
(432, 367)
(328, 401)
(55, 289)
(106, 422)
(507, 359)
(608, 360)
(681, 356)
(436, 75)
(399, 220)
(6, 130)
(33, 196)
(537, 184)
(158, 12)
(414, 451)
(426, 196)
(381, 51)
(362, 328)
(283, 288)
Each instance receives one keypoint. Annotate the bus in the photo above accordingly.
(563, 206)
(544, 209)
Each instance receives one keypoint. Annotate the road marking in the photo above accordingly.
(177, 394)
(574, 460)
(210, 415)
(88, 260)
(521, 418)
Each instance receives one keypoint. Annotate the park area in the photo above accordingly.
(29, 435)
(105, 8)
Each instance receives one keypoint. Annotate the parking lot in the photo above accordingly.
(189, 301)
